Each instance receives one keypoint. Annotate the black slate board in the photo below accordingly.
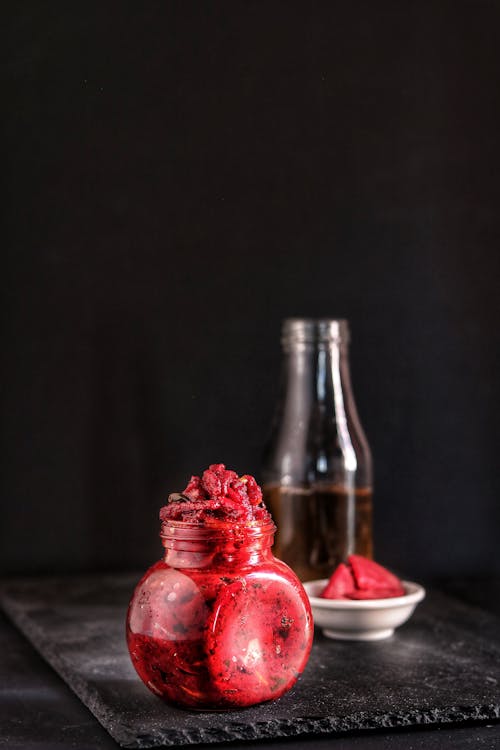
(443, 666)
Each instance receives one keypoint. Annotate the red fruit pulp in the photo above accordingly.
(219, 495)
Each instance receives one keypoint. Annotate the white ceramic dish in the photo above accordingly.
(362, 620)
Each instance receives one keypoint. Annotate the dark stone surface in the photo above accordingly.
(37, 710)
(442, 667)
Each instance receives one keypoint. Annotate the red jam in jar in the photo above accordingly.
(220, 622)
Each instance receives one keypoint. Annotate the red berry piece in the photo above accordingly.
(254, 492)
(226, 480)
(194, 489)
(219, 469)
(211, 484)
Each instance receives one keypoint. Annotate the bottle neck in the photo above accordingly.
(316, 366)
(317, 395)
(317, 433)
(318, 374)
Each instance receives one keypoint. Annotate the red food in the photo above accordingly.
(171, 669)
(341, 584)
(370, 576)
(257, 640)
(219, 622)
(361, 578)
(218, 496)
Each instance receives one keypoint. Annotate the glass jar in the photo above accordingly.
(317, 472)
(220, 622)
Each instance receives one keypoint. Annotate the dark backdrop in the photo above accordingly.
(182, 176)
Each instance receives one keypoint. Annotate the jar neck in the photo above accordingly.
(227, 546)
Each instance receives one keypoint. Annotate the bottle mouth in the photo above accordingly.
(311, 331)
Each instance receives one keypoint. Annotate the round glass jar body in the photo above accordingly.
(220, 622)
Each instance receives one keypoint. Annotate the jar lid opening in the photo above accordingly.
(216, 532)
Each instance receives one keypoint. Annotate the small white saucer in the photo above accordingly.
(362, 619)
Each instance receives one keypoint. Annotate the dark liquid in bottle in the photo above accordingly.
(319, 526)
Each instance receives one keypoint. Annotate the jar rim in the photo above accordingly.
(184, 530)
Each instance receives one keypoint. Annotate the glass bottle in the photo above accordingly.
(317, 471)
(219, 622)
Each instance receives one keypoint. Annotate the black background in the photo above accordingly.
(181, 176)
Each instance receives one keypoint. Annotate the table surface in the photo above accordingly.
(37, 709)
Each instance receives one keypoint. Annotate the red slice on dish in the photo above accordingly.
(372, 578)
(341, 584)
(256, 641)
(361, 578)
